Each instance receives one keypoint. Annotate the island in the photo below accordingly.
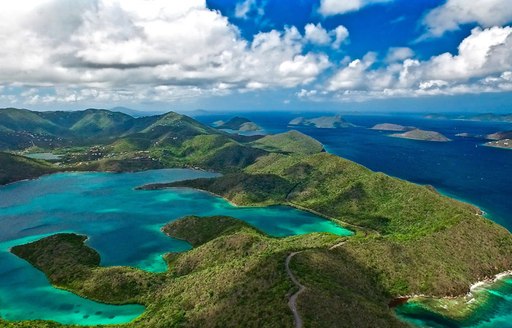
(322, 122)
(499, 135)
(485, 117)
(422, 135)
(241, 124)
(503, 143)
(407, 239)
(391, 127)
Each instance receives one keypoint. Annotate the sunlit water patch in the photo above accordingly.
(123, 225)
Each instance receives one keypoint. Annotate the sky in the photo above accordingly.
(235, 55)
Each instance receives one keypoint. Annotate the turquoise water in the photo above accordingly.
(492, 299)
(123, 225)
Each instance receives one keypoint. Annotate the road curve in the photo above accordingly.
(292, 302)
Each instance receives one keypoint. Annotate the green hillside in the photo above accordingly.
(289, 142)
(234, 123)
(411, 230)
(409, 238)
(233, 276)
(14, 168)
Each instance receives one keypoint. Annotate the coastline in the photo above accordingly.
(341, 223)
(454, 307)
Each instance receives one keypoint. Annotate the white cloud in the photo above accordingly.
(144, 48)
(399, 54)
(453, 13)
(338, 7)
(340, 36)
(316, 34)
(245, 7)
(483, 64)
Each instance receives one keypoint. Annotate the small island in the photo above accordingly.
(391, 127)
(499, 135)
(241, 124)
(322, 122)
(503, 143)
(422, 135)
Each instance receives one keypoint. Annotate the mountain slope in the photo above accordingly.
(14, 168)
(411, 230)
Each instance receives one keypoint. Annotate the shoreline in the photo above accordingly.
(340, 223)
(473, 288)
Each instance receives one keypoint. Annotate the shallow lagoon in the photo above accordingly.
(123, 225)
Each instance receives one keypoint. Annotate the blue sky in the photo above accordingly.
(340, 55)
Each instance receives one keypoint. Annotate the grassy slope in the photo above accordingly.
(234, 276)
(289, 142)
(417, 232)
(14, 168)
(179, 141)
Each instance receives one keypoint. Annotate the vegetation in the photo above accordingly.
(70, 264)
(289, 142)
(101, 140)
(234, 123)
(234, 276)
(14, 168)
(411, 231)
(410, 238)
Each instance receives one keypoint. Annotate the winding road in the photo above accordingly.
(292, 303)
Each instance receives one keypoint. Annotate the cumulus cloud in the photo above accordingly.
(396, 54)
(139, 48)
(245, 7)
(338, 7)
(316, 34)
(483, 64)
(453, 13)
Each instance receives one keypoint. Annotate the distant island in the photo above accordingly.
(499, 135)
(422, 135)
(503, 143)
(237, 123)
(486, 117)
(502, 139)
(322, 122)
(391, 127)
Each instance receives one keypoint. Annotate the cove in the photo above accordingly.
(490, 306)
(123, 225)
